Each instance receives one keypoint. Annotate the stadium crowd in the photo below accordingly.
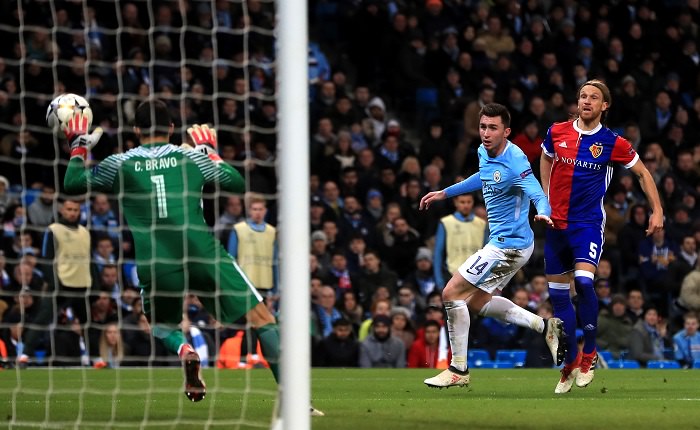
(394, 91)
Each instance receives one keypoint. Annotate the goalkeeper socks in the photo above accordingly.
(269, 336)
(564, 310)
(507, 311)
(458, 322)
(587, 308)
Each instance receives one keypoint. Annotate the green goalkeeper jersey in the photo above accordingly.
(160, 189)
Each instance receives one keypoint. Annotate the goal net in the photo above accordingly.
(210, 61)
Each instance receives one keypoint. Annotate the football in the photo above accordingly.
(62, 108)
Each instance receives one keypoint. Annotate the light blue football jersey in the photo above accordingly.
(508, 185)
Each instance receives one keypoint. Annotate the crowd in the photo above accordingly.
(394, 91)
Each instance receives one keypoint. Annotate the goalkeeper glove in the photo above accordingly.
(204, 139)
(80, 140)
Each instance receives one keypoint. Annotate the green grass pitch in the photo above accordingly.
(352, 399)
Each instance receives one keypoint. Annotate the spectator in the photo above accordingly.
(374, 275)
(401, 247)
(655, 255)
(108, 280)
(331, 198)
(339, 277)
(530, 141)
(425, 352)
(687, 170)
(632, 234)
(102, 312)
(24, 276)
(351, 309)
(605, 271)
(374, 206)
(103, 253)
(111, 348)
(689, 298)
(686, 343)
(538, 354)
(538, 290)
(466, 149)
(319, 249)
(669, 191)
(496, 38)
(376, 112)
(384, 227)
(41, 212)
(602, 291)
(635, 304)
(435, 147)
(402, 326)
(649, 338)
(355, 253)
(378, 307)
(614, 327)
(684, 263)
(616, 213)
(353, 221)
(103, 218)
(29, 309)
(655, 120)
(380, 349)
(6, 200)
(325, 312)
(407, 299)
(136, 335)
(423, 277)
(232, 214)
(340, 348)
(424, 222)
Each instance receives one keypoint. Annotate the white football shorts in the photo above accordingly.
(491, 268)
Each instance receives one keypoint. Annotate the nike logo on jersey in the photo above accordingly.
(562, 144)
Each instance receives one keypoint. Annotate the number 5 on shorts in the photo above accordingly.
(594, 250)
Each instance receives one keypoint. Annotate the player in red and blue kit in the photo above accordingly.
(576, 168)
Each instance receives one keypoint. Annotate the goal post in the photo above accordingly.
(294, 216)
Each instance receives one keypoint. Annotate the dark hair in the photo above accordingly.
(493, 110)
(153, 118)
(432, 323)
(341, 322)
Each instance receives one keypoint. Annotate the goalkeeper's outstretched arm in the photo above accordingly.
(77, 176)
(78, 179)
(224, 176)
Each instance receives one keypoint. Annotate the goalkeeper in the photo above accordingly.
(160, 187)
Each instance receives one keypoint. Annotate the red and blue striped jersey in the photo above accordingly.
(581, 171)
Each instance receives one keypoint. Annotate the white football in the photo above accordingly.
(62, 108)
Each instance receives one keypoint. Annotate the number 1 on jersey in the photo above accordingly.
(161, 201)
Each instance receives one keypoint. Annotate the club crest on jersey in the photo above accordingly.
(596, 149)
(497, 176)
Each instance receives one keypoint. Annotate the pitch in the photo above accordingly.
(352, 399)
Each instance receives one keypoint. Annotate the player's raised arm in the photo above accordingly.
(225, 176)
(468, 185)
(656, 220)
(77, 177)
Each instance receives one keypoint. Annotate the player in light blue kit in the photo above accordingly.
(508, 185)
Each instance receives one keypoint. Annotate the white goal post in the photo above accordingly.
(294, 214)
